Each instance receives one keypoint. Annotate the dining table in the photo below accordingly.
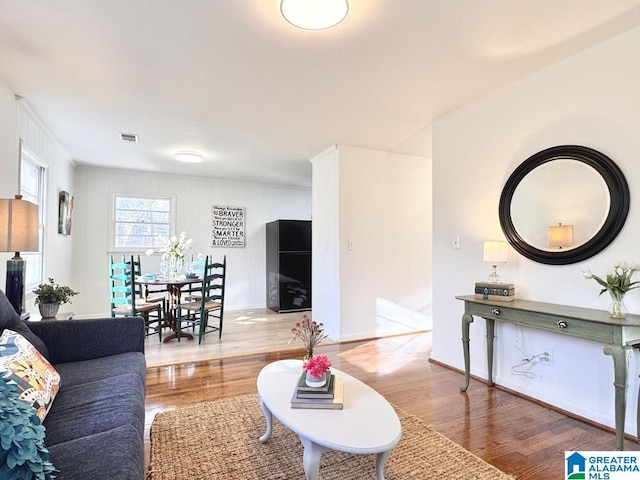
(173, 288)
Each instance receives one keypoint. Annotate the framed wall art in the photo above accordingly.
(65, 213)
(227, 226)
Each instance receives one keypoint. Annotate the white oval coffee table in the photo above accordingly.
(366, 424)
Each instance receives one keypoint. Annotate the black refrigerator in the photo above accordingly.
(289, 265)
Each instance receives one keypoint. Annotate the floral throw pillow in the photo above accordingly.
(36, 379)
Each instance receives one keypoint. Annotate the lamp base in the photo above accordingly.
(493, 276)
(15, 283)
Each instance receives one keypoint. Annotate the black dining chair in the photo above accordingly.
(195, 267)
(198, 312)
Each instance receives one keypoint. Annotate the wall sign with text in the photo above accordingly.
(227, 226)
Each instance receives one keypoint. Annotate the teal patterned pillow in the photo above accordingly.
(23, 455)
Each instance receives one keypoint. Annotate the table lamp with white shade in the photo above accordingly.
(495, 252)
(18, 233)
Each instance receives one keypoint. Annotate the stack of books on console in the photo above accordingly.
(329, 396)
(501, 292)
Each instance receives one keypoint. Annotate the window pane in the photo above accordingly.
(31, 189)
(139, 203)
(138, 220)
(33, 267)
(30, 182)
(139, 216)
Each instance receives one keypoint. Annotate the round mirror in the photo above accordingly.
(564, 205)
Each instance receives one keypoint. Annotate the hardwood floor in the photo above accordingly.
(518, 436)
(244, 332)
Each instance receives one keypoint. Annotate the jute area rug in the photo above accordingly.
(219, 441)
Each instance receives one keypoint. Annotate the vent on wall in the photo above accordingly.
(129, 137)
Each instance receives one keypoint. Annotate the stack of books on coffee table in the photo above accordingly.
(329, 396)
(502, 292)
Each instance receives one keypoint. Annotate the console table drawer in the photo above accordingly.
(599, 332)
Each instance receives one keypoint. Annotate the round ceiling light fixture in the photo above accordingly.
(314, 14)
(189, 157)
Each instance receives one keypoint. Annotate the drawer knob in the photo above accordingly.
(561, 324)
(496, 311)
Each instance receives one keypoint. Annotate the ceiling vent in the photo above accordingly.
(129, 137)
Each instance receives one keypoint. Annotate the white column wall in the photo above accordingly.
(326, 298)
(383, 229)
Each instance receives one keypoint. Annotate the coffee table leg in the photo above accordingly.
(311, 459)
(381, 460)
(269, 419)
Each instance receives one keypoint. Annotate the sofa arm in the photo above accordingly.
(79, 340)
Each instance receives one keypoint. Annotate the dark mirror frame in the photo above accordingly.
(618, 205)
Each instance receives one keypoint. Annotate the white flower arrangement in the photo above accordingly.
(176, 247)
(618, 282)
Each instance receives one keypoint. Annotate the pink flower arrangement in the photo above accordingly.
(317, 366)
(309, 332)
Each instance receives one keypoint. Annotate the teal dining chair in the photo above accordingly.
(126, 302)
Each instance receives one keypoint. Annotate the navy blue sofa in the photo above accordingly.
(95, 428)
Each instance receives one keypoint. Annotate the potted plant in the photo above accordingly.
(49, 297)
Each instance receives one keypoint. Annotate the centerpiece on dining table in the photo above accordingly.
(174, 251)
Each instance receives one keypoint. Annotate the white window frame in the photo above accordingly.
(40, 197)
(113, 224)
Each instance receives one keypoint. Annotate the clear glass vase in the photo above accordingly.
(617, 309)
(175, 267)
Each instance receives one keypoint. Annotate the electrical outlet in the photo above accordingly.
(547, 359)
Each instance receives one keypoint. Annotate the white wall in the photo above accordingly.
(325, 242)
(246, 266)
(59, 175)
(18, 123)
(376, 212)
(591, 99)
(9, 159)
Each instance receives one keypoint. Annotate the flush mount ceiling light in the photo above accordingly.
(314, 14)
(189, 157)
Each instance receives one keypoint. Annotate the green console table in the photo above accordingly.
(617, 336)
